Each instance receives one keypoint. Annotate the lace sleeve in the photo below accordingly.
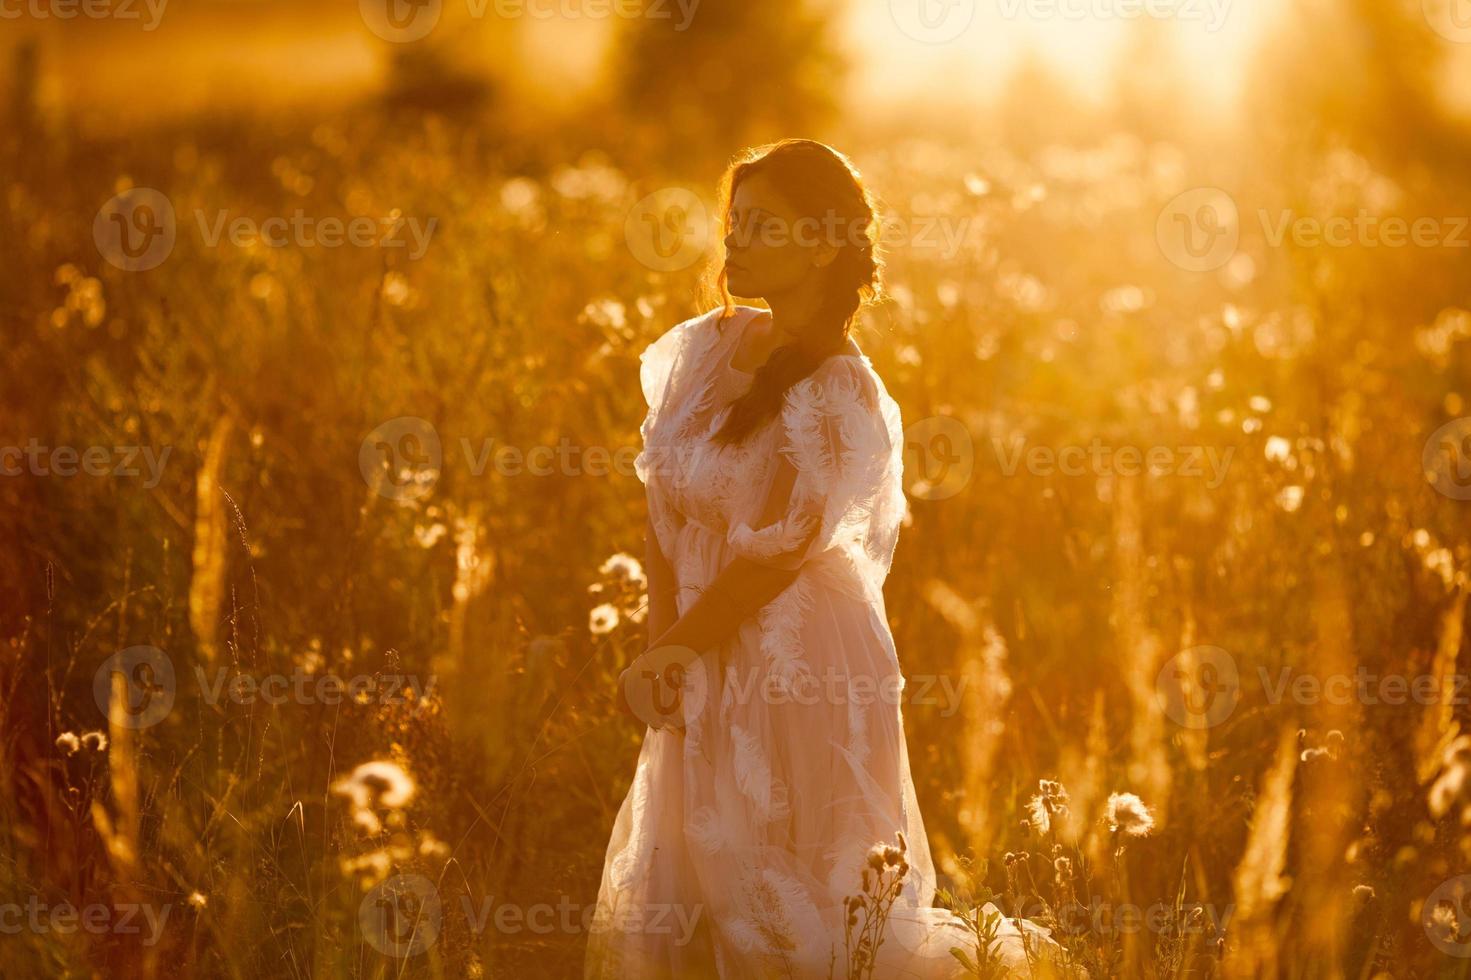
(836, 477)
(663, 365)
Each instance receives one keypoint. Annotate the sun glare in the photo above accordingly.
(967, 49)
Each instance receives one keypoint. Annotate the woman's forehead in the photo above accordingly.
(756, 192)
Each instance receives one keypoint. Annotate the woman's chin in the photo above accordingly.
(738, 284)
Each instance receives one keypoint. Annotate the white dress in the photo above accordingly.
(742, 836)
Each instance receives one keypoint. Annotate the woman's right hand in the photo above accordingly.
(625, 678)
(658, 690)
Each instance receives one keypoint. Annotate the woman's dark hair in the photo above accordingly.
(825, 188)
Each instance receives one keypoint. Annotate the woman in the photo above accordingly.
(776, 757)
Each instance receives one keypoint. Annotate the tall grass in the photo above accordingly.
(1055, 600)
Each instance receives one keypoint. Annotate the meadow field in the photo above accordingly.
(317, 428)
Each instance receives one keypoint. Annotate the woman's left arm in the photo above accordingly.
(738, 592)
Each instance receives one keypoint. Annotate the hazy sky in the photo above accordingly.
(914, 43)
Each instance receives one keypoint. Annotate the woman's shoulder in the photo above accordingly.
(674, 353)
(712, 323)
(848, 371)
(844, 385)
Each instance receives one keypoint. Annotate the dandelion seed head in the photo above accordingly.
(602, 619)
(1128, 815)
(379, 783)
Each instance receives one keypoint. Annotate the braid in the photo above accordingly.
(851, 278)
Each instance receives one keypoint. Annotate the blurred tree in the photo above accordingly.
(727, 75)
(1147, 91)
(25, 76)
(1037, 105)
(1362, 70)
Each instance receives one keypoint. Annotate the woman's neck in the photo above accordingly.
(793, 315)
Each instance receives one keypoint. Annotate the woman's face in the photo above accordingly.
(770, 249)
